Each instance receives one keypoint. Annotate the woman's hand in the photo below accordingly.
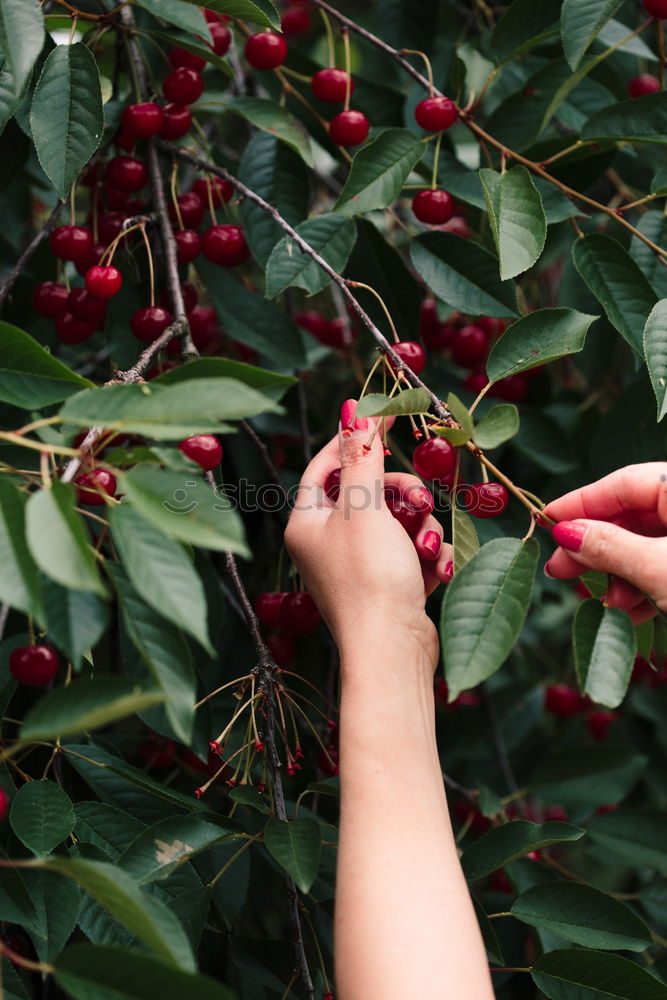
(617, 525)
(369, 578)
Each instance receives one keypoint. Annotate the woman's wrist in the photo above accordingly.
(387, 651)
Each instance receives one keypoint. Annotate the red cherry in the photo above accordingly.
(266, 50)
(127, 173)
(299, 613)
(486, 499)
(140, 121)
(315, 323)
(644, 84)
(222, 37)
(598, 724)
(493, 326)
(49, 299)
(282, 647)
(188, 245)
(124, 142)
(204, 327)
(556, 814)
(178, 56)
(212, 16)
(109, 226)
(188, 292)
(104, 282)
(332, 485)
(563, 700)
(656, 8)
(433, 206)
(71, 330)
(349, 128)
(465, 812)
(85, 306)
(475, 382)
(116, 200)
(220, 190)
(158, 753)
(83, 266)
(330, 85)
(14, 941)
(296, 20)
(436, 114)
(183, 86)
(94, 486)
(149, 323)
(204, 449)
(512, 389)
(412, 353)
(407, 514)
(267, 608)
(33, 665)
(176, 121)
(434, 458)
(191, 208)
(225, 245)
(71, 242)
(469, 346)
(338, 333)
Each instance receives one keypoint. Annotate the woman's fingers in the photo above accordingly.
(641, 488)
(428, 540)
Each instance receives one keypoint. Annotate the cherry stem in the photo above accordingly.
(369, 288)
(212, 694)
(436, 157)
(427, 63)
(480, 396)
(348, 63)
(661, 51)
(330, 38)
(371, 373)
(151, 271)
(209, 196)
(248, 843)
(173, 188)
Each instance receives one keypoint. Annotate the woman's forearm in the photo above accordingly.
(405, 925)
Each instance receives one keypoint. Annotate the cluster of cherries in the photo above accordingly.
(566, 702)
(287, 616)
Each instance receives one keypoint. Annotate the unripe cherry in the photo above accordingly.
(204, 449)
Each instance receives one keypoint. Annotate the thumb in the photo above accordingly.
(361, 459)
(610, 549)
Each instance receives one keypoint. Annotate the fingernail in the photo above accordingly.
(569, 534)
(421, 499)
(432, 542)
(547, 571)
(449, 572)
(348, 422)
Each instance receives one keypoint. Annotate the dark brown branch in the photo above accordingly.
(383, 344)
(35, 242)
(264, 453)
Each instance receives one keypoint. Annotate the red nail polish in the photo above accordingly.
(432, 543)
(360, 424)
(347, 414)
(569, 535)
(449, 572)
(547, 571)
(421, 498)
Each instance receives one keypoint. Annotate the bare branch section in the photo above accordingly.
(34, 244)
(481, 135)
(383, 344)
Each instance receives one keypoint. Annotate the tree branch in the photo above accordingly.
(35, 242)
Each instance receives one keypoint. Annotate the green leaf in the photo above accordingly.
(605, 647)
(161, 572)
(160, 849)
(41, 816)
(260, 12)
(75, 620)
(641, 119)
(21, 37)
(463, 274)
(87, 703)
(502, 844)
(522, 26)
(249, 318)
(464, 538)
(379, 170)
(271, 384)
(493, 949)
(57, 906)
(618, 284)
(582, 914)
(58, 539)
(8, 99)
(263, 114)
(652, 224)
(19, 580)
(484, 610)
(581, 23)
(587, 776)
(330, 235)
(593, 974)
(96, 972)
(637, 837)
(499, 425)
(167, 412)
(107, 827)
(196, 47)
(146, 917)
(460, 413)
(183, 15)
(163, 650)
(295, 845)
(536, 339)
(408, 401)
(655, 352)
(186, 509)
(279, 176)
(516, 217)
(30, 377)
(66, 116)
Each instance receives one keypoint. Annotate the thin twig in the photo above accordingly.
(35, 242)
